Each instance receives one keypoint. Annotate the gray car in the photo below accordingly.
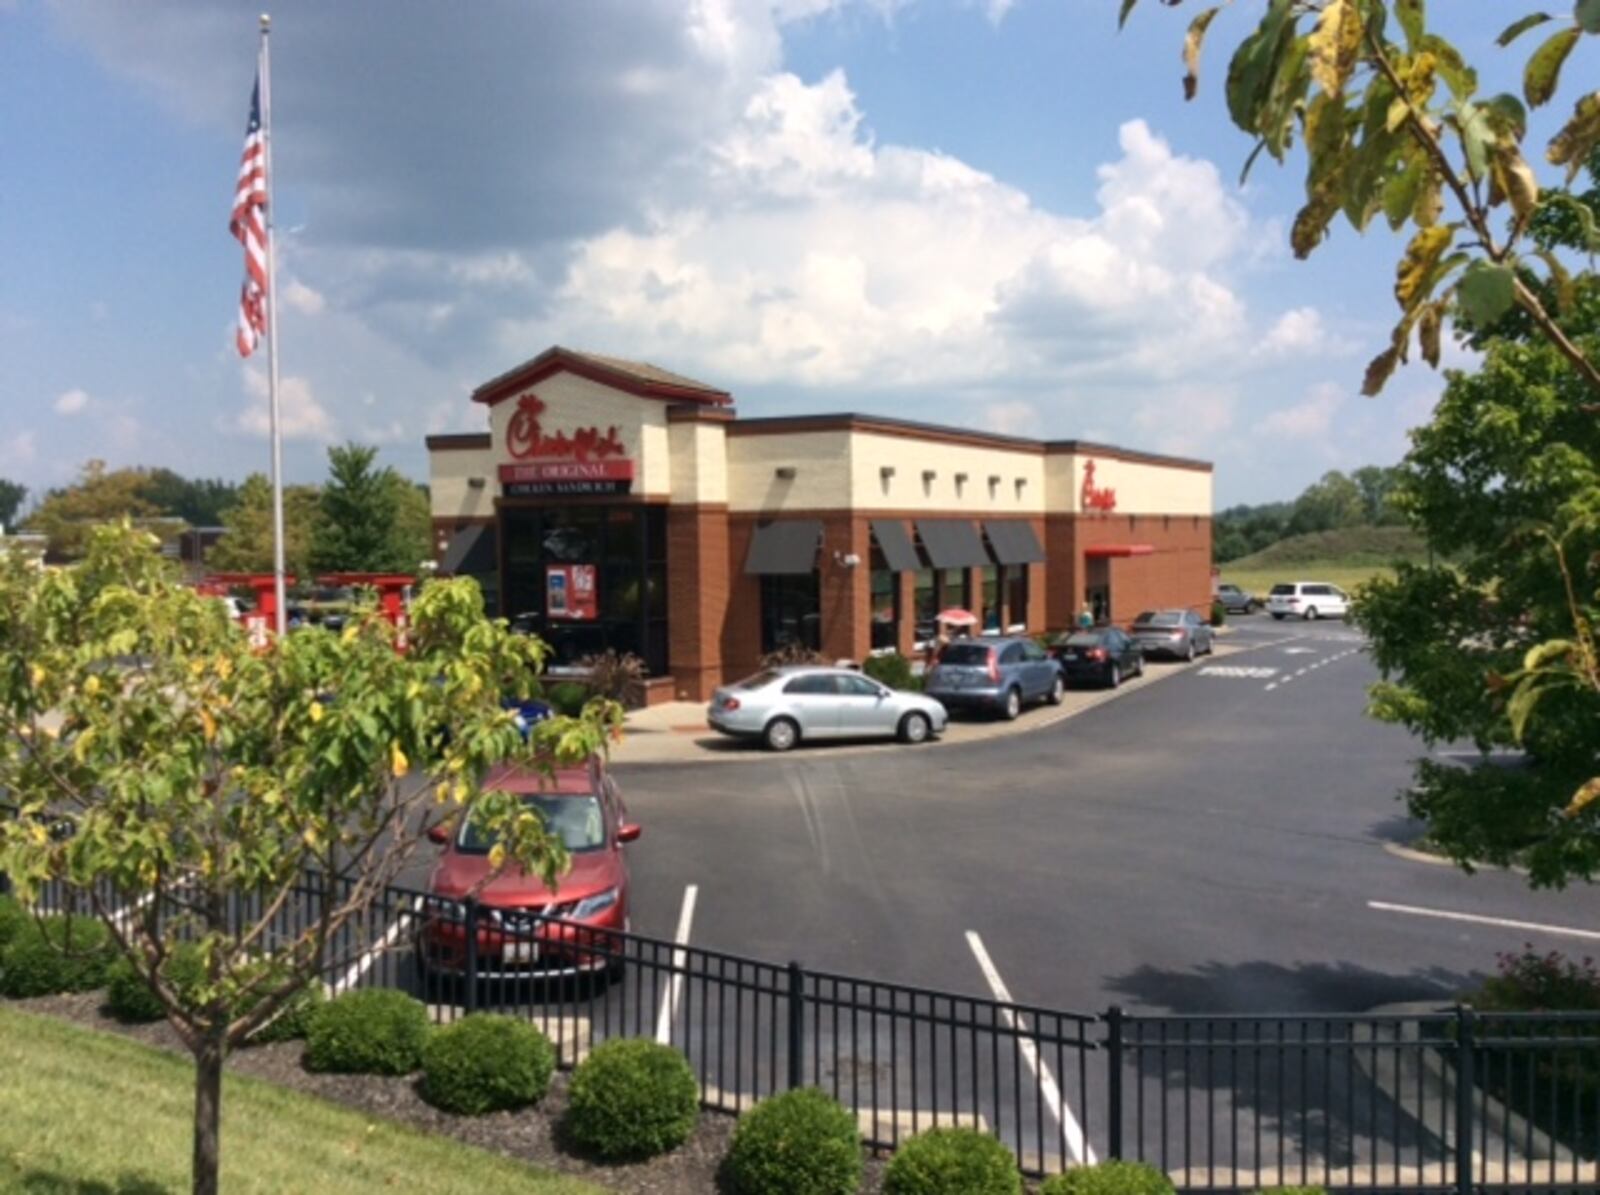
(994, 674)
(803, 703)
(1180, 634)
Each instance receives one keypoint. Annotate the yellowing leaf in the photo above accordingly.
(1572, 146)
(441, 794)
(1192, 42)
(224, 667)
(36, 675)
(1378, 372)
(1424, 252)
(1585, 796)
(1543, 72)
(1429, 325)
(311, 837)
(209, 724)
(497, 856)
(1514, 179)
(92, 686)
(1430, 202)
(1335, 44)
(315, 712)
(398, 763)
(81, 745)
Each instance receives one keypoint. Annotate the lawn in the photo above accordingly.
(83, 1112)
(1347, 558)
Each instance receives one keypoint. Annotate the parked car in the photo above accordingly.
(1105, 655)
(1180, 634)
(1308, 600)
(1236, 601)
(995, 674)
(580, 805)
(803, 702)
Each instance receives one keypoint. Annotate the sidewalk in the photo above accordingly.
(676, 731)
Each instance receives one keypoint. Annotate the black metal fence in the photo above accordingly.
(1447, 1100)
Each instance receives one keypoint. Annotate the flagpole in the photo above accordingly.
(279, 588)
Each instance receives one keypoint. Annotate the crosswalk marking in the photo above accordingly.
(1258, 672)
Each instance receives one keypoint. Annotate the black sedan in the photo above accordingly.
(1104, 655)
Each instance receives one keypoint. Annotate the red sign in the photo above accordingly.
(570, 593)
(1096, 498)
(567, 471)
(526, 439)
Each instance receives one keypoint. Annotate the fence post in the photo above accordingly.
(469, 977)
(797, 1025)
(1114, 1081)
(1465, 1050)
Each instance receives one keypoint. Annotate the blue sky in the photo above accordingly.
(966, 211)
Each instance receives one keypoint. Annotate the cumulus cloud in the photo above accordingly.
(303, 298)
(1011, 417)
(300, 415)
(71, 402)
(1302, 332)
(1309, 419)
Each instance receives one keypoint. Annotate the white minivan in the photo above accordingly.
(1307, 599)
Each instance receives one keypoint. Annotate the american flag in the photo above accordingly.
(249, 226)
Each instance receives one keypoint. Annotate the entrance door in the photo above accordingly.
(1097, 588)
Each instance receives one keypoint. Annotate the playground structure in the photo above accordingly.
(262, 617)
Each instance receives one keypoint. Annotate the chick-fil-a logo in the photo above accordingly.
(525, 439)
(1096, 497)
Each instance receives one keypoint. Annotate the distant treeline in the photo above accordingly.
(1363, 498)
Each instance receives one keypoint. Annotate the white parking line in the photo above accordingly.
(364, 964)
(1446, 915)
(1049, 1092)
(680, 957)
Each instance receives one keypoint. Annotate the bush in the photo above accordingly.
(1533, 982)
(791, 653)
(952, 1162)
(569, 697)
(799, 1143)
(370, 1032)
(632, 1098)
(1109, 1178)
(294, 1017)
(59, 954)
(14, 919)
(618, 678)
(1219, 614)
(891, 669)
(128, 996)
(486, 1063)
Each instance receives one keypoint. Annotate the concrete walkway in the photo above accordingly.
(677, 732)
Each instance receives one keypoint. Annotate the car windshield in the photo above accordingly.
(1086, 639)
(759, 681)
(967, 654)
(1280, 590)
(576, 820)
(1165, 618)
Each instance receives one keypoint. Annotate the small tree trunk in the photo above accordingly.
(208, 1111)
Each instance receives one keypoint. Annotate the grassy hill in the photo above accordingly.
(1346, 558)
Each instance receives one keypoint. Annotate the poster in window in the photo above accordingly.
(570, 593)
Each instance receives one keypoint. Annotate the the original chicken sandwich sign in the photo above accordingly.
(588, 461)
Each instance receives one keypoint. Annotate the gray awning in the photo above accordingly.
(895, 543)
(952, 543)
(1013, 541)
(471, 553)
(785, 547)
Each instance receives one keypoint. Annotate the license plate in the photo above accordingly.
(1070, 655)
(521, 952)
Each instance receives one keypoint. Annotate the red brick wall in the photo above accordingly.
(697, 597)
(1177, 573)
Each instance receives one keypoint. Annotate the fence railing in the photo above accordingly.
(1446, 1100)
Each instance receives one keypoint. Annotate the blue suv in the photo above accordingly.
(994, 674)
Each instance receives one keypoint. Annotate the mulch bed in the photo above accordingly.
(528, 1135)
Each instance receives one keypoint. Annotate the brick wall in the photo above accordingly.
(697, 597)
(1177, 573)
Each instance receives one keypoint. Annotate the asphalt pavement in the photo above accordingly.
(1217, 842)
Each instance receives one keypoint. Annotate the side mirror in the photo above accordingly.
(439, 835)
(629, 832)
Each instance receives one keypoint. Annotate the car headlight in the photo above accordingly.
(598, 903)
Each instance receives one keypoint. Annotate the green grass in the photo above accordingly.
(87, 1113)
(1347, 558)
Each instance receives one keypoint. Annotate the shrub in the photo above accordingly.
(128, 996)
(952, 1162)
(632, 1098)
(1109, 1178)
(799, 1143)
(568, 697)
(293, 1018)
(616, 677)
(891, 669)
(1533, 982)
(58, 954)
(374, 1031)
(1219, 614)
(14, 919)
(486, 1063)
(791, 653)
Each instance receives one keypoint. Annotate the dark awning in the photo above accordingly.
(471, 553)
(785, 547)
(952, 543)
(1013, 541)
(895, 543)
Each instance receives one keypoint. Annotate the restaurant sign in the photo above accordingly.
(556, 463)
(538, 479)
(1094, 497)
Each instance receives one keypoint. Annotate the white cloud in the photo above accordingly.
(1011, 417)
(71, 402)
(1309, 419)
(300, 415)
(1187, 420)
(996, 10)
(303, 298)
(19, 449)
(1301, 332)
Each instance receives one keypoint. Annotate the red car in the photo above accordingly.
(581, 805)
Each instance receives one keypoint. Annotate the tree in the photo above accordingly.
(368, 519)
(208, 785)
(100, 495)
(12, 495)
(199, 502)
(1392, 124)
(1330, 503)
(1377, 492)
(413, 522)
(246, 543)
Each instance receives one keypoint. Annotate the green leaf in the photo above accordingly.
(1192, 43)
(1541, 654)
(1311, 222)
(1254, 63)
(1487, 291)
(1400, 193)
(1507, 116)
(1460, 78)
(1335, 44)
(1577, 139)
(1543, 74)
(1477, 134)
(1517, 28)
(1587, 14)
(1410, 15)
(1560, 279)
(1127, 7)
(1582, 212)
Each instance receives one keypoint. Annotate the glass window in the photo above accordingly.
(1012, 654)
(1017, 595)
(967, 655)
(885, 608)
(858, 686)
(791, 612)
(1032, 651)
(927, 604)
(759, 681)
(578, 821)
(812, 685)
(990, 614)
(1166, 618)
(622, 535)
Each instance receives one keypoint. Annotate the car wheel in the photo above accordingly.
(1114, 677)
(1058, 691)
(781, 734)
(1251, 607)
(1277, 618)
(1188, 652)
(1311, 614)
(1013, 705)
(1139, 671)
(915, 728)
(1211, 645)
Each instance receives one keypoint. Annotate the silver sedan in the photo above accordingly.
(785, 706)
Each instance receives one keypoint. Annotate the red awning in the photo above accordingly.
(1119, 550)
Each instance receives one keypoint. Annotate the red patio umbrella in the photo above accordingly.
(957, 617)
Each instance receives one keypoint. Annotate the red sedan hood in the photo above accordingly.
(592, 871)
